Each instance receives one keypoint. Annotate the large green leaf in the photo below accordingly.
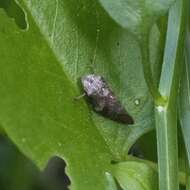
(39, 71)
(38, 110)
(103, 47)
(137, 16)
(104, 52)
(136, 175)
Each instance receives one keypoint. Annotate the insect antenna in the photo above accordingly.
(79, 97)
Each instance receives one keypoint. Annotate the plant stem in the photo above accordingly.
(166, 116)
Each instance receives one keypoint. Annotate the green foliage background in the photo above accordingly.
(45, 47)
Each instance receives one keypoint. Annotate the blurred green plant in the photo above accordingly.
(138, 46)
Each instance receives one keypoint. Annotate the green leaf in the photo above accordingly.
(39, 73)
(106, 55)
(38, 110)
(67, 38)
(153, 165)
(135, 175)
(112, 185)
(136, 16)
(14, 11)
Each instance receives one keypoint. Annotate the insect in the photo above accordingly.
(103, 99)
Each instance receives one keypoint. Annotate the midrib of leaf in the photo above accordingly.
(166, 116)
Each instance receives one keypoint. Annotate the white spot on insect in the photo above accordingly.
(105, 92)
(93, 84)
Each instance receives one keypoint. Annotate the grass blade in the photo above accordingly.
(166, 116)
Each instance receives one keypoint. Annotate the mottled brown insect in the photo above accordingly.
(103, 99)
